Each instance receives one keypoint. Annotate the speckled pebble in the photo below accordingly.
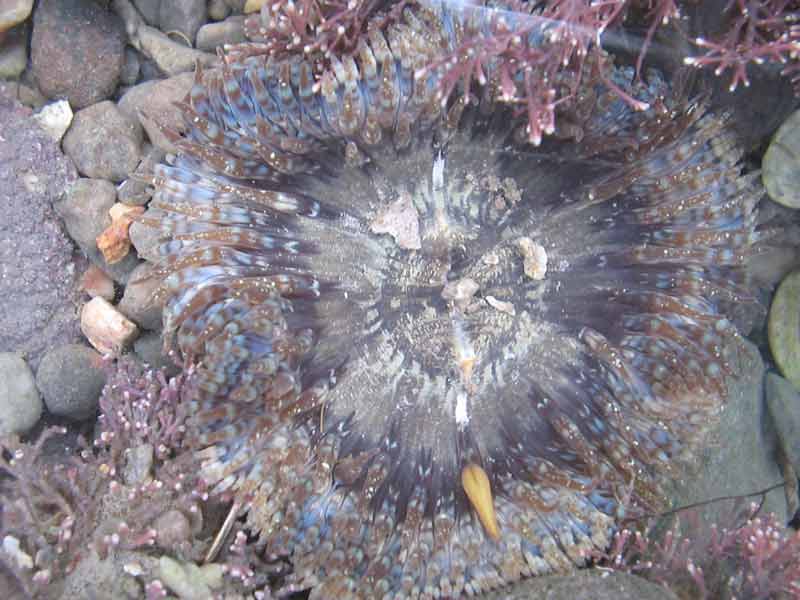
(87, 142)
(20, 404)
(71, 378)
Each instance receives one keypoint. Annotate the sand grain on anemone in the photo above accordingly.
(390, 300)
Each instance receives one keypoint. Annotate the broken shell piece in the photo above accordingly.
(400, 220)
(105, 327)
(460, 291)
(534, 258)
(114, 242)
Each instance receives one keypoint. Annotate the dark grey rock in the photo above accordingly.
(103, 142)
(783, 401)
(586, 585)
(185, 16)
(215, 35)
(70, 378)
(39, 283)
(77, 50)
(20, 404)
(137, 302)
(85, 214)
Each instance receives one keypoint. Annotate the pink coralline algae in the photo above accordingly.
(432, 357)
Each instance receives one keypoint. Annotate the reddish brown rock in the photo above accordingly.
(77, 50)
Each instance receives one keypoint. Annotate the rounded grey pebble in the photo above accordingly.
(71, 378)
(149, 348)
(87, 142)
(20, 404)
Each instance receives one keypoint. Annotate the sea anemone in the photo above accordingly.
(432, 357)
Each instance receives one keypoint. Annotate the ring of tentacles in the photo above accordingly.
(433, 358)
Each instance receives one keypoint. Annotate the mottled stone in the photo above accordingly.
(20, 404)
(70, 378)
(103, 142)
(77, 50)
(38, 279)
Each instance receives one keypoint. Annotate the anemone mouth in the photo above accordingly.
(396, 308)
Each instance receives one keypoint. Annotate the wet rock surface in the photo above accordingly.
(38, 286)
(739, 457)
